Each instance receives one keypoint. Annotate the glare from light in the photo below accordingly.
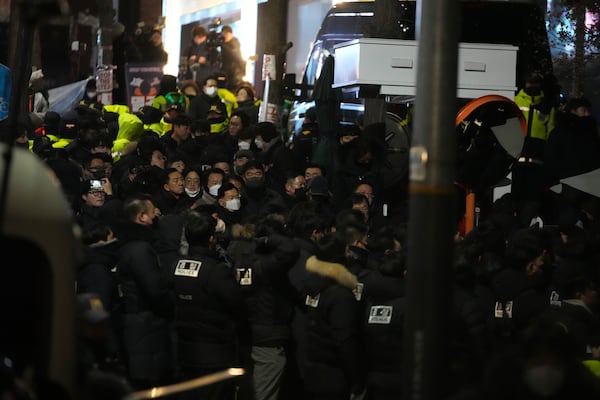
(247, 35)
(172, 35)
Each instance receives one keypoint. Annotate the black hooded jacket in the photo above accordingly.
(261, 272)
(209, 308)
(334, 350)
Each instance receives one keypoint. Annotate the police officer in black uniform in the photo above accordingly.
(208, 308)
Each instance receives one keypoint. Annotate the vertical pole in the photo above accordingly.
(432, 219)
(104, 41)
(264, 109)
(469, 211)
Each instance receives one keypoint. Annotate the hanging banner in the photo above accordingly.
(143, 83)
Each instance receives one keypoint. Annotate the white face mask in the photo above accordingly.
(259, 144)
(91, 95)
(210, 91)
(214, 190)
(243, 145)
(544, 380)
(192, 193)
(233, 204)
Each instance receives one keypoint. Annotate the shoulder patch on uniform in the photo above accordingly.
(380, 314)
(189, 268)
(312, 301)
(358, 290)
(244, 276)
(503, 310)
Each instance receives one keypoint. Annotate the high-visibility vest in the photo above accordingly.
(539, 124)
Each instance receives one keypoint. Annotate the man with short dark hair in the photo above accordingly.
(154, 51)
(313, 169)
(176, 137)
(97, 203)
(240, 159)
(294, 189)
(209, 100)
(260, 199)
(171, 198)
(211, 180)
(278, 159)
(234, 65)
(146, 300)
(196, 55)
(208, 308)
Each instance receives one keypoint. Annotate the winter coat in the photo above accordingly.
(383, 327)
(209, 308)
(146, 305)
(334, 360)
(261, 272)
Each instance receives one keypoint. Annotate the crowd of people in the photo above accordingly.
(211, 242)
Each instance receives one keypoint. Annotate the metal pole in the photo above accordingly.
(104, 43)
(432, 219)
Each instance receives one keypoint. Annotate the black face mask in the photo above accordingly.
(300, 194)
(533, 91)
(255, 183)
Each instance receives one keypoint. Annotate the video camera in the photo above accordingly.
(214, 36)
(214, 39)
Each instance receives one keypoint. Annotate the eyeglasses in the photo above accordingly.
(257, 174)
(192, 180)
(96, 192)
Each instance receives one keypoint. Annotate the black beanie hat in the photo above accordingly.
(266, 130)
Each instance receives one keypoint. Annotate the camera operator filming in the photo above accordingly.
(196, 56)
(234, 65)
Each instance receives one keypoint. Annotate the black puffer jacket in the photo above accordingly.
(209, 308)
(262, 274)
(335, 361)
(146, 306)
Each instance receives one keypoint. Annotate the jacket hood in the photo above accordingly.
(242, 231)
(334, 271)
